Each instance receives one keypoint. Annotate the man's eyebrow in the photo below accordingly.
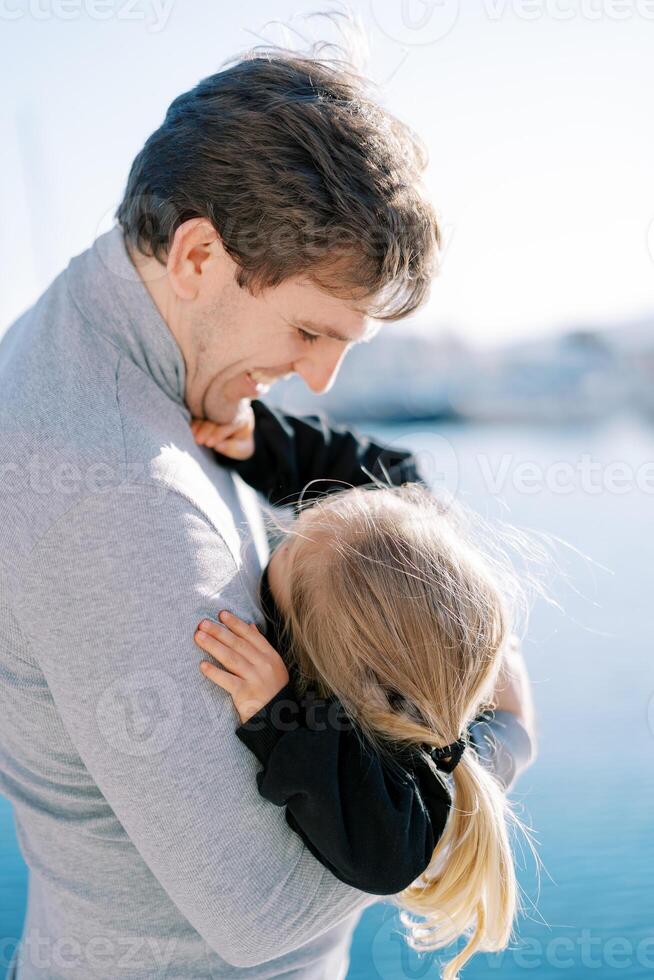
(327, 331)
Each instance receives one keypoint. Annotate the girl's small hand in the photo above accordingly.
(236, 439)
(255, 671)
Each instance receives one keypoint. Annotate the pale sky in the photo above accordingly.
(537, 115)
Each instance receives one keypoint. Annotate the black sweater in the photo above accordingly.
(373, 820)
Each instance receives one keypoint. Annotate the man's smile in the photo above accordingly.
(261, 381)
(264, 381)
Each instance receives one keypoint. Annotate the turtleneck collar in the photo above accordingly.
(109, 292)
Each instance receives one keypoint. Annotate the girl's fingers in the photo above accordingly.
(223, 651)
(222, 678)
(217, 434)
(235, 448)
(247, 632)
(235, 634)
(205, 431)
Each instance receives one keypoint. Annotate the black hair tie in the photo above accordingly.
(447, 757)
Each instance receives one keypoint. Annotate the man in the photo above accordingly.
(272, 216)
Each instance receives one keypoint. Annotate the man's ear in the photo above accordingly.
(192, 255)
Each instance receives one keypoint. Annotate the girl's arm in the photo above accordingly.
(290, 451)
(372, 822)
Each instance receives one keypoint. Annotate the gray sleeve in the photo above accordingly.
(504, 745)
(110, 599)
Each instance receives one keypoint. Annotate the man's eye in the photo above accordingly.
(309, 338)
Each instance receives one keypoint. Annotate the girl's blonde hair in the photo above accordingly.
(390, 596)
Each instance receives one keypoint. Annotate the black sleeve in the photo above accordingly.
(372, 822)
(289, 452)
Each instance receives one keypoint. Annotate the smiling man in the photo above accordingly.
(237, 344)
(273, 218)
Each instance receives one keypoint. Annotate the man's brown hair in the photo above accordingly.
(300, 171)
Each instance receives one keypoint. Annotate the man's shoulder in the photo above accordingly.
(55, 425)
(89, 437)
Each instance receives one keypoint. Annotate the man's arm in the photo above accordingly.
(110, 599)
(506, 737)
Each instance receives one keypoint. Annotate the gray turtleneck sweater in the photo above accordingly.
(150, 851)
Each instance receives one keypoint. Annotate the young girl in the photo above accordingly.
(364, 701)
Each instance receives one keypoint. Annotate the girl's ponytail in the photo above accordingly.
(469, 887)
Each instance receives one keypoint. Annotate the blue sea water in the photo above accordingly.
(590, 795)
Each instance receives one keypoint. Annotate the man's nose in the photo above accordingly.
(319, 370)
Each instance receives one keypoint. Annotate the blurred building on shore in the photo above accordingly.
(581, 374)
